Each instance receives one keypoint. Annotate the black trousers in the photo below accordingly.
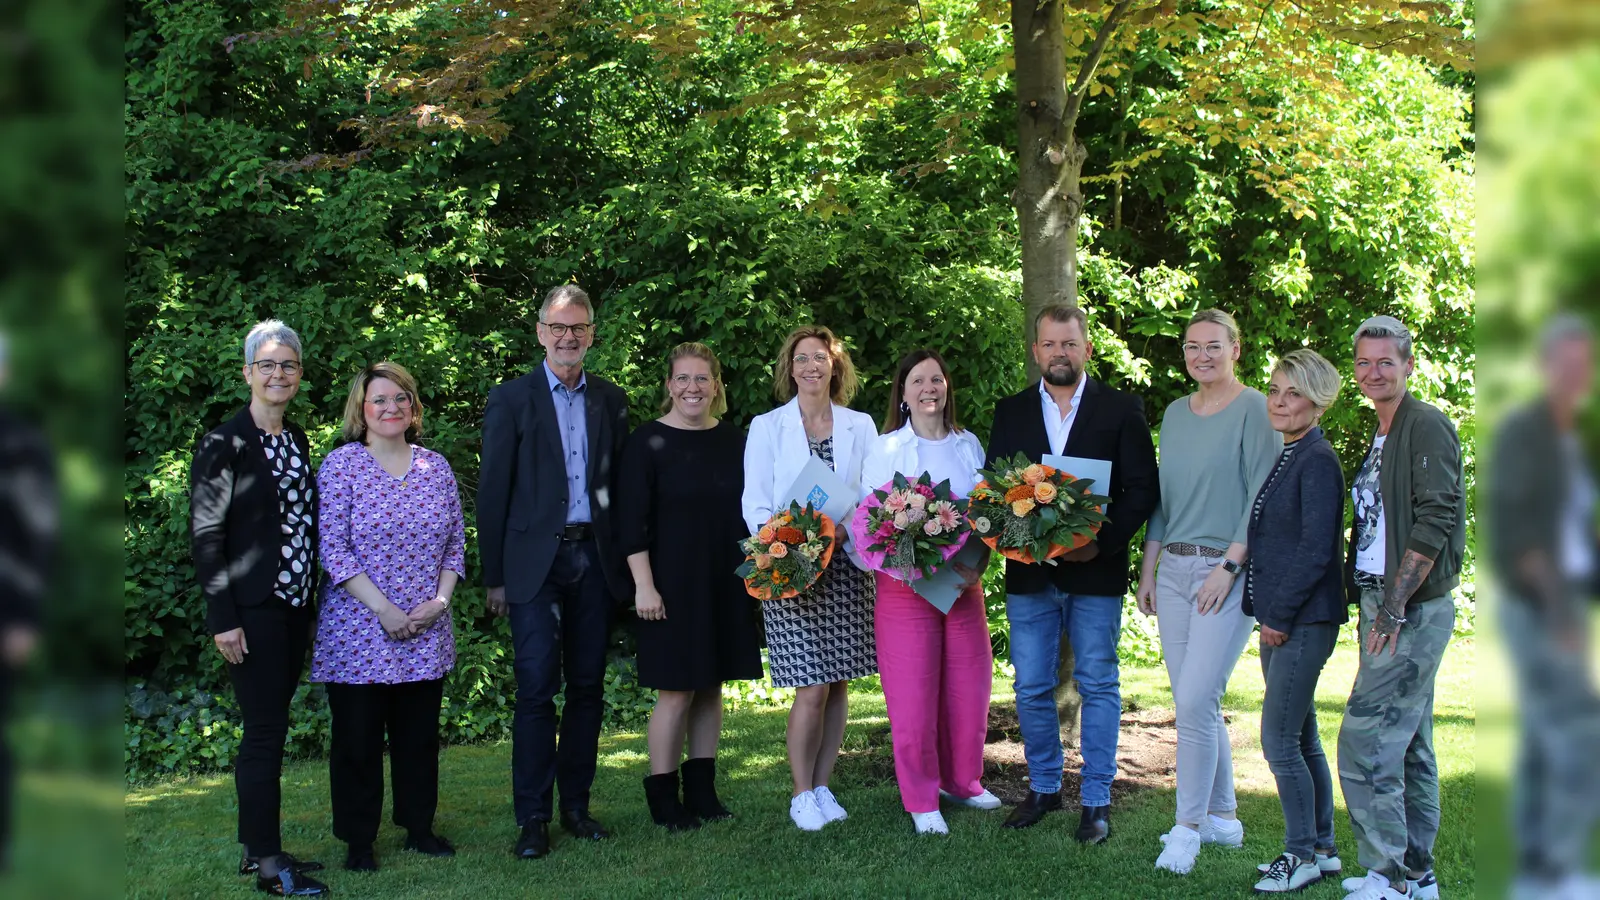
(277, 636)
(362, 713)
(562, 630)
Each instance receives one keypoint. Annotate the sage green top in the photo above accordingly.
(1212, 467)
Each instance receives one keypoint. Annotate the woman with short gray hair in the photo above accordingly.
(1294, 588)
(253, 525)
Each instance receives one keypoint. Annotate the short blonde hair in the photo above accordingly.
(841, 387)
(1215, 317)
(1314, 377)
(696, 350)
(355, 419)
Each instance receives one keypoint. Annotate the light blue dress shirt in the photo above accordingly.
(573, 421)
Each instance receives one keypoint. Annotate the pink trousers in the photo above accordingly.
(937, 671)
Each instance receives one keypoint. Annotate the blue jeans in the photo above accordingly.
(559, 635)
(1094, 624)
(1289, 738)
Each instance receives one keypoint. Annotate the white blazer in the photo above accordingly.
(777, 450)
(897, 452)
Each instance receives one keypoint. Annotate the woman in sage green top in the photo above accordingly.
(1217, 447)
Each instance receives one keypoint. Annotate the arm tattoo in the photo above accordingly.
(1414, 569)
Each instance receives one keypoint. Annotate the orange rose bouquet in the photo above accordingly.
(1031, 512)
(788, 554)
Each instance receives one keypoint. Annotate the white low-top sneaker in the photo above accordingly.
(930, 823)
(1183, 845)
(1376, 887)
(1357, 882)
(984, 800)
(805, 812)
(1288, 873)
(1327, 864)
(1222, 832)
(831, 810)
(1424, 888)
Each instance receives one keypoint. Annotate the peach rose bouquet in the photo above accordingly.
(1031, 512)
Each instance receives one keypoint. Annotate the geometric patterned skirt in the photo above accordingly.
(825, 634)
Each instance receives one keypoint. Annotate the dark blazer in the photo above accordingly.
(1296, 539)
(30, 518)
(522, 483)
(1110, 425)
(234, 527)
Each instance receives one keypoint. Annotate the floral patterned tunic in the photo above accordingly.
(402, 533)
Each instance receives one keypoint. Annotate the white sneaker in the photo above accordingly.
(831, 810)
(805, 812)
(1288, 873)
(1183, 845)
(1375, 887)
(1357, 882)
(930, 823)
(1424, 888)
(1327, 864)
(1222, 832)
(984, 800)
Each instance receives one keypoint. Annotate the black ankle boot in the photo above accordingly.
(661, 792)
(700, 789)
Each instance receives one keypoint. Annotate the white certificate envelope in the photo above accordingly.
(825, 491)
(1098, 471)
(943, 587)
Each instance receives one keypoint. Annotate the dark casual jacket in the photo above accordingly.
(234, 525)
(1296, 536)
(1424, 503)
(1110, 425)
(29, 520)
(522, 483)
(1531, 476)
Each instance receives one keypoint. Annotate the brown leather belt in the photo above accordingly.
(1179, 548)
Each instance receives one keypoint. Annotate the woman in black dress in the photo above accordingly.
(682, 476)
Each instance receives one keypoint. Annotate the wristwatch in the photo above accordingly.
(1231, 567)
(443, 599)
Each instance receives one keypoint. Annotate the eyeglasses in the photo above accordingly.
(684, 381)
(820, 359)
(1190, 348)
(559, 330)
(290, 367)
(401, 400)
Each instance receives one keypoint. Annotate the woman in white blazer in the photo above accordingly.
(819, 640)
(937, 667)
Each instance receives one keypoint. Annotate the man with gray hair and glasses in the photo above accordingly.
(1542, 497)
(553, 563)
(1404, 558)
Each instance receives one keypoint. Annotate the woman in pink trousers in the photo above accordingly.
(937, 667)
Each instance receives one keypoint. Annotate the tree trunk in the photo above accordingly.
(1049, 201)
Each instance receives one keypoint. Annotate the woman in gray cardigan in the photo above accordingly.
(1293, 587)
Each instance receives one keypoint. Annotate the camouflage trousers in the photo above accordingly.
(1387, 766)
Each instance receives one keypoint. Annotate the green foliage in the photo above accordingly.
(684, 226)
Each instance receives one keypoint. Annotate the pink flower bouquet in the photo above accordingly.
(909, 527)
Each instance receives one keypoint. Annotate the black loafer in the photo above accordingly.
(1095, 825)
(360, 858)
(289, 883)
(579, 824)
(1031, 810)
(534, 842)
(250, 865)
(429, 845)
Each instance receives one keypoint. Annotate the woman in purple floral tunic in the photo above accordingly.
(393, 546)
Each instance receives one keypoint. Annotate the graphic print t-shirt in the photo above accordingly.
(1368, 499)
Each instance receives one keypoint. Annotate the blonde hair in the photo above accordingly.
(696, 350)
(1314, 377)
(842, 385)
(1215, 317)
(355, 419)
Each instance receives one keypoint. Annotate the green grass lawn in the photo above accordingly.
(180, 835)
